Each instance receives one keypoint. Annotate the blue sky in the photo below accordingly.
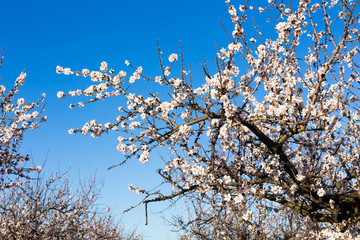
(39, 35)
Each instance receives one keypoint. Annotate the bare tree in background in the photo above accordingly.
(206, 219)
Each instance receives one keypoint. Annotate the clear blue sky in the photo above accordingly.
(39, 35)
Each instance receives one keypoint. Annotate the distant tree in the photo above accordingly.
(49, 209)
(17, 116)
(277, 123)
(33, 208)
(207, 219)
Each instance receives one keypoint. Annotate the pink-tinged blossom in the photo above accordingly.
(173, 57)
(239, 198)
(66, 71)
(85, 72)
(122, 148)
(144, 157)
(103, 66)
(227, 179)
(235, 47)
(321, 192)
(20, 101)
(59, 69)
(185, 130)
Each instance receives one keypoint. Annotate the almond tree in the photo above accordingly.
(276, 123)
(17, 116)
(49, 209)
(207, 219)
(43, 209)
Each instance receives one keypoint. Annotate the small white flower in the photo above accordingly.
(20, 101)
(185, 130)
(60, 94)
(122, 148)
(235, 47)
(59, 69)
(300, 177)
(239, 198)
(275, 189)
(332, 204)
(247, 216)
(227, 179)
(173, 57)
(67, 71)
(104, 67)
(227, 197)
(321, 192)
(144, 157)
(176, 82)
(85, 72)
(158, 80)
(38, 169)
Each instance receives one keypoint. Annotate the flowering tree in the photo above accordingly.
(17, 116)
(209, 220)
(43, 209)
(48, 209)
(276, 123)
